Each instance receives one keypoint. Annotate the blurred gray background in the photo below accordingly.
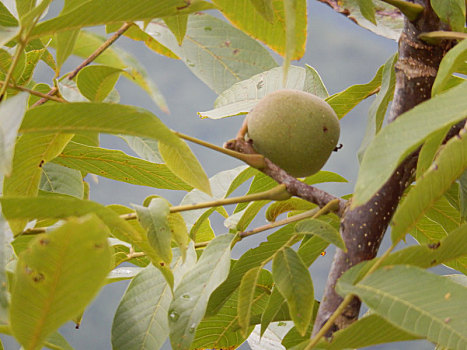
(343, 54)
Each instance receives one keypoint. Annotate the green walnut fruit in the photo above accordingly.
(295, 130)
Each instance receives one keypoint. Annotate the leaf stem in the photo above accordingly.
(409, 9)
(254, 160)
(436, 36)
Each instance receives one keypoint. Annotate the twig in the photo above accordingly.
(313, 213)
(298, 217)
(35, 93)
(294, 187)
(43, 100)
(100, 49)
(88, 60)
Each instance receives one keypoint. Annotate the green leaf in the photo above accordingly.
(369, 330)
(31, 153)
(96, 82)
(240, 220)
(244, 15)
(241, 97)
(246, 294)
(5, 62)
(429, 150)
(343, 102)
(183, 163)
(31, 60)
(260, 183)
(220, 185)
(41, 87)
(294, 282)
(118, 119)
(222, 330)
(448, 166)
(154, 219)
(11, 115)
(138, 34)
(248, 260)
(65, 43)
(216, 52)
(7, 34)
(292, 204)
(5, 256)
(320, 229)
(92, 13)
(463, 194)
(122, 273)
(144, 147)
(146, 300)
(140, 321)
(265, 9)
(276, 304)
(452, 62)
(57, 277)
(100, 117)
(192, 294)
(177, 25)
(64, 207)
(439, 251)
(437, 314)
(6, 18)
(379, 106)
(88, 42)
(290, 16)
(451, 12)
(179, 232)
(400, 138)
(367, 9)
(59, 179)
(116, 165)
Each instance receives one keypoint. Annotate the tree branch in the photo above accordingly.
(363, 227)
(88, 60)
(294, 187)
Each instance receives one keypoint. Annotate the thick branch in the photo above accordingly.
(294, 186)
(363, 227)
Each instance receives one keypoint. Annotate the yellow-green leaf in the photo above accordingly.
(294, 282)
(57, 277)
(245, 16)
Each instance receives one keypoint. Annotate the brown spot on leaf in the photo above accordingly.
(44, 241)
(41, 163)
(38, 277)
(236, 51)
(434, 245)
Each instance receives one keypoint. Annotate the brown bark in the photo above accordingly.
(363, 227)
